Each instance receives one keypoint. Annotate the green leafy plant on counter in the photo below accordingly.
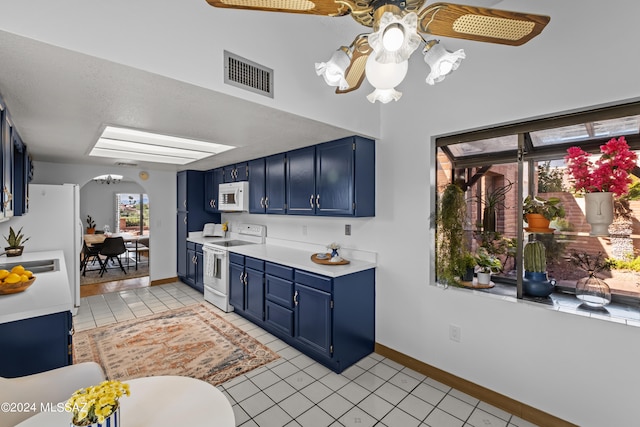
(15, 240)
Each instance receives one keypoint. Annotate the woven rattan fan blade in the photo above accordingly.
(354, 75)
(480, 24)
(312, 7)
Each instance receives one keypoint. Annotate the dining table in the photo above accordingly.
(98, 238)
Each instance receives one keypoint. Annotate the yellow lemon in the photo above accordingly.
(28, 273)
(24, 278)
(3, 274)
(12, 278)
(18, 269)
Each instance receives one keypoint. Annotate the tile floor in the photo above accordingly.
(296, 391)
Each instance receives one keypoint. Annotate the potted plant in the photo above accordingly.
(536, 282)
(91, 225)
(450, 246)
(487, 264)
(15, 241)
(98, 404)
(468, 264)
(539, 212)
(492, 200)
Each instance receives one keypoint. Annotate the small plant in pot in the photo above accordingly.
(468, 264)
(487, 264)
(535, 281)
(539, 212)
(15, 241)
(91, 225)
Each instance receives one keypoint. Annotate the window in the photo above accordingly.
(132, 213)
(497, 168)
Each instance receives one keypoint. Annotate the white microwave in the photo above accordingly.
(233, 196)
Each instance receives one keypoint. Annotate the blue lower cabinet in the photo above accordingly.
(246, 286)
(332, 320)
(36, 344)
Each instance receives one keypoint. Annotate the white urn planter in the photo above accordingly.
(483, 278)
(599, 212)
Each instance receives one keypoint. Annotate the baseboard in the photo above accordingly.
(498, 400)
(163, 281)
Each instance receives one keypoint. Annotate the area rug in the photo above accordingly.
(92, 277)
(190, 341)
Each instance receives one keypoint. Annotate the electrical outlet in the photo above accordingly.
(304, 230)
(347, 229)
(454, 333)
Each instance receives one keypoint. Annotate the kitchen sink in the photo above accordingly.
(39, 266)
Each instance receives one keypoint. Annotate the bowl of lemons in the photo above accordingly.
(15, 280)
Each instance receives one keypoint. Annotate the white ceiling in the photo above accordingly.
(60, 100)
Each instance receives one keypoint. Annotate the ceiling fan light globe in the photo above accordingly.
(384, 95)
(442, 62)
(333, 71)
(385, 76)
(393, 37)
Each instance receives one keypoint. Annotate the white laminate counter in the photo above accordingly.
(300, 259)
(48, 294)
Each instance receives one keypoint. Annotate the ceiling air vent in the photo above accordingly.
(247, 75)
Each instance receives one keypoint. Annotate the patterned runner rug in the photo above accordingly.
(190, 341)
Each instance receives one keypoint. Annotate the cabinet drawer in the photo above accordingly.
(253, 263)
(279, 270)
(314, 280)
(236, 259)
(191, 245)
(279, 290)
(279, 318)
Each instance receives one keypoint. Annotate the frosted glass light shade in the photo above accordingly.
(333, 71)
(386, 42)
(384, 78)
(442, 62)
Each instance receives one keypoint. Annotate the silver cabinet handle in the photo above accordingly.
(245, 279)
(266, 202)
(317, 200)
(262, 202)
(241, 277)
(295, 298)
(212, 203)
(184, 203)
(185, 220)
(311, 201)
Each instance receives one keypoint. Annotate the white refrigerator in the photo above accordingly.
(53, 223)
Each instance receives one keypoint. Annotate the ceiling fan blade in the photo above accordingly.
(354, 74)
(480, 24)
(312, 7)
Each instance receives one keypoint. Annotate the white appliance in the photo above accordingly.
(216, 262)
(53, 223)
(233, 196)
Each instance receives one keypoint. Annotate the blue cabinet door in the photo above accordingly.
(254, 293)
(301, 188)
(35, 345)
(212, 180)
(235, 173)
(182, 243)
(257, 180)
(275, 187)
(198, 279)
(236, 286)
(313, 319)
(335, 177)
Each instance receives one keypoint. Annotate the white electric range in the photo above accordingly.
(216, 262)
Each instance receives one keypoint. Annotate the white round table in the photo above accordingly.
(163, 401)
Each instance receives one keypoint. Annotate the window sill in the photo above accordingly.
(567, 303)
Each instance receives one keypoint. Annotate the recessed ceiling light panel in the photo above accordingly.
(138, 145)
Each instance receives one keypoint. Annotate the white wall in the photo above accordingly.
(161, 189)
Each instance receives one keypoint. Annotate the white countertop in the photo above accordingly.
(297, 255)
(48, 294)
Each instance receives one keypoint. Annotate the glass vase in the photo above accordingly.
(592, 291)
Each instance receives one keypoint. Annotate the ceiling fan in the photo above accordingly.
(399, 27)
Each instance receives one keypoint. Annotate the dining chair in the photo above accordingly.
(90, 254)
(111, 249)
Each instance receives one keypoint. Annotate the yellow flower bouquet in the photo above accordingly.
(94, 404)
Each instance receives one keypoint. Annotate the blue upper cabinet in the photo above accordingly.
(212, 179)
(235, 173)
(301, 180)
(257, 190)
(336, 178)
(275, 184)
